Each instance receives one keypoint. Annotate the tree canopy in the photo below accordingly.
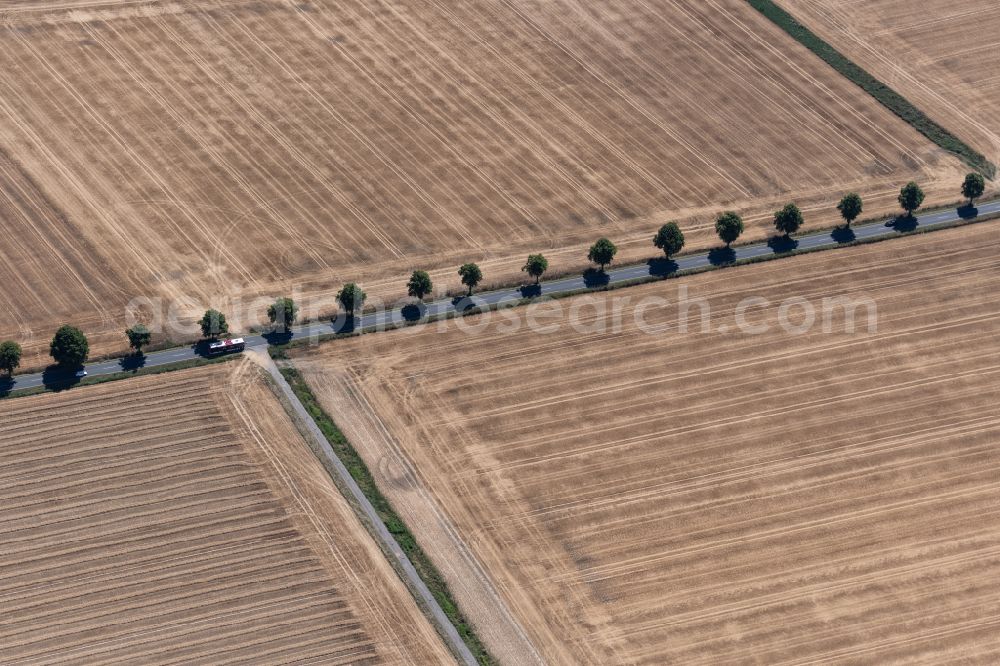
(850, 207)
(138, 337)
(10, 356)
(536, 266)
(911, 197)
(471, 276)
(69, 347)
(213, 324)
(669, 238)
(419, 284)
(973, 187)
(602, 252)
(282, 313)
(788, 219)
(728, 226)
(351, 298)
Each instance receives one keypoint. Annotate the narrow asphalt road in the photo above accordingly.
(390, 318)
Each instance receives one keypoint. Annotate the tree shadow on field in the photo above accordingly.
(661, 266)
(6, 385)
(782, 244)
(594, 277)
(132, 362)
(967, 212)
(843, 235)
(531, 291)
(903, 223)
(413, 311)
(58, 378)
(721, 256)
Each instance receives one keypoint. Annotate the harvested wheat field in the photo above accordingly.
(201, 151)
(49, 270)
(941, 55)
(709, 497)
(180, 518)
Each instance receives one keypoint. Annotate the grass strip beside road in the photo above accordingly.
(407, 542)
(885, 95)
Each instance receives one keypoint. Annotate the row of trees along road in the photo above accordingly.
(729, 225)
(69, 347)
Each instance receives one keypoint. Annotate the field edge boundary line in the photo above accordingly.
(120, 375)
(881, 92)
(451, 624)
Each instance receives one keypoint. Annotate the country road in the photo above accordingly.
(444, 307)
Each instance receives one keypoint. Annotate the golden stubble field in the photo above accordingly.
(180, 518)
(716, 497)
(941, 55)
(201, 151)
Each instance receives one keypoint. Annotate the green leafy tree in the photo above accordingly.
(728, 226)
(850, 207)
(669, 238)
(973, 187)
(213, 324)
(69, 347)
(282, 313)
(788, 219)
(10, 356)
(351, 298)
(471, 276)
(536, 266)
(138, 337)
(602, 252)
(419, 285)
(911, 197)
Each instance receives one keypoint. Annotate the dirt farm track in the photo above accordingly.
(200, 151)
(709, 498)
(181, 519)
